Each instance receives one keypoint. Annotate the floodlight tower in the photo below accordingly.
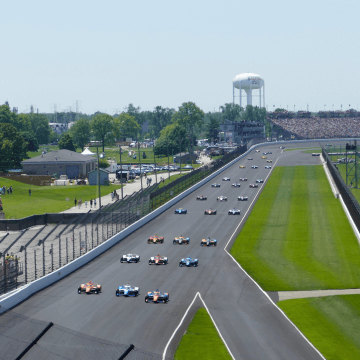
(249, 82)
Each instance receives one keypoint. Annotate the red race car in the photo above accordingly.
(155, 239)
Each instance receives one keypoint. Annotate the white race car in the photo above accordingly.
(236, 185)
(254, 167)
(268, 167)
(242, 198)
(127, 290)
(259, 181)
(226, 178)
(129, 258)
(234, 212)
(257, 150)
(221, 198)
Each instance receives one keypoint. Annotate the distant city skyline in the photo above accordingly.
(148, 54)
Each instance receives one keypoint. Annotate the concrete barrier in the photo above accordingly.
(15, 297)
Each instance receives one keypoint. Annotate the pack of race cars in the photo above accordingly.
(158, 296)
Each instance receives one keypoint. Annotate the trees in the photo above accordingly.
(125, 126)
(12, 147)
(232, 112)
(102, 127)
(136, 113)
(30, 138)
(212, 128)
(66, 142)
(40, 127)
(159, 119)
(254, 114)
(81, 132)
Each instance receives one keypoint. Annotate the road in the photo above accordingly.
(252, 326)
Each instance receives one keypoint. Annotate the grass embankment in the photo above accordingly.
(46, 199)
(201, 340)
(342, 169)
(308, 149)
(297, 236)
(330, 323)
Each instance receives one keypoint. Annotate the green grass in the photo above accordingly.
(45, 199)
(297, 236)
(331, 324)
(201, 340)
(342, 169)
(307, 149)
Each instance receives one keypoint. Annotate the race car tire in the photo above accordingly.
(175, 212)
(79, 290)
(148, 241)
(205, 213)
(146, 299)
(225, 199)
(149, 262)
(121, 260)
(180, 264)
(136, 260)
(117, 293)
(96, 292)
(194, 265)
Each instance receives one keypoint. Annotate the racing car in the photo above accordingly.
(155, 239)
(269, 161)
(89, 288)
(201, 197)
(189, 262)
(226, 178)
(259, 181)
(234, 211)
(181, 211)
(158, 260)
(221, 198)
(157, 296)
(210, 212)
(257, 150)
(127, 290)
(254, 167)
(269, 152)
(181, 240)
(243, 179)
(236, 185)
(263, 157)
(242, 166)
(215, 185)
(129, 258)
(250, 159)
(281, 147)
(268, 167)
(265, 153)
(253, 186)
(242, 198)
(208, 242)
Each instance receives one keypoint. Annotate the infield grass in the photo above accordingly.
(331, 323)
(297, 237)
(46, 199)
(201, 340)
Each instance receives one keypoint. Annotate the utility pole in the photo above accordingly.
(140, 165)
(121, 178)
(98, 163)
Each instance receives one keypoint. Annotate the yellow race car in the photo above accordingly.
(242, 166)
(263, 157)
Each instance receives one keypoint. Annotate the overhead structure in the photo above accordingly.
(249, 82)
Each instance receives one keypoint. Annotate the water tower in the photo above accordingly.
(249, 82)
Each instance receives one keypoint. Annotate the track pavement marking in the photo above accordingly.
(231, 237)
(182, 320)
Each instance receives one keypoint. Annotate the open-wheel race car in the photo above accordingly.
(189, 262)
(89, 288)
(215, 185)
(221, 198)
(254, 167)
(234, 211)
(242, 198)
(268, 167)
(269, 161)
(243, 179)
(242, 166)
(210, 212)
(235, 185)
(129, 258)
(181, 240)
(259, 181)
(157, 297)
(253, 186)
(208, 242)
(127, 290)
(181, 211)
(158, 260)
(156, 239)
(225, 178)
(201, 197)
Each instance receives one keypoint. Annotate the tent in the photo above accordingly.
(87, 152)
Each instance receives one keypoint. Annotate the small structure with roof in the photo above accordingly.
(104, 177)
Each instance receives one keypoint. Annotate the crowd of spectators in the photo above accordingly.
(317, 128)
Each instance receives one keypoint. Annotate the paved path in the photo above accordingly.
(287, 295)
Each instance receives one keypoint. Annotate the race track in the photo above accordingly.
(251, 325)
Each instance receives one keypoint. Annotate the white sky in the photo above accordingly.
(108, 54)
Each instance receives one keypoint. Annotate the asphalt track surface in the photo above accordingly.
(252, 326)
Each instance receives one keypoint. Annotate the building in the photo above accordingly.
(60, 162)
(186, 158)
(242, 132)
(104, 177)
(58, 128)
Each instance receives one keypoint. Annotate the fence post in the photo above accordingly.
(73, 244)
(107, 230)
(16, 264)
(66, 248)
(35, 263)
(5, 277)
(92, 235)
(59, 251)
(97, 234)
(112, 224)
(25, 266)
(85, 238)
(80, 242)
(43, 246)
(52, 258)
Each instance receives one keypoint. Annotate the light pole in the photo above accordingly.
(98, 157)
(140, 165)
(155, 160)
(121, 178)
(180, 154)
(167, 146)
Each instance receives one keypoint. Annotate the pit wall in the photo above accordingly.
(15, 297)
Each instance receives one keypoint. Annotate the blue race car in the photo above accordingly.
(189, 262)
(127, 290)
(181, 211)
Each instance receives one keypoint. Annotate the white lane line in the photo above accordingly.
(306, 339)
(227, 347)
(177, 328)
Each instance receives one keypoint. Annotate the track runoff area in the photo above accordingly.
(250, 324)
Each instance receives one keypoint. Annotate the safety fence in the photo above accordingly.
(348, 197)
(22, 337)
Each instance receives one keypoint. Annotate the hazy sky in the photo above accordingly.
(107, 54)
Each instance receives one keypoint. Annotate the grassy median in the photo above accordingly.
(46, 199)
(331, 324)
(201, 340)
(297, 236)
